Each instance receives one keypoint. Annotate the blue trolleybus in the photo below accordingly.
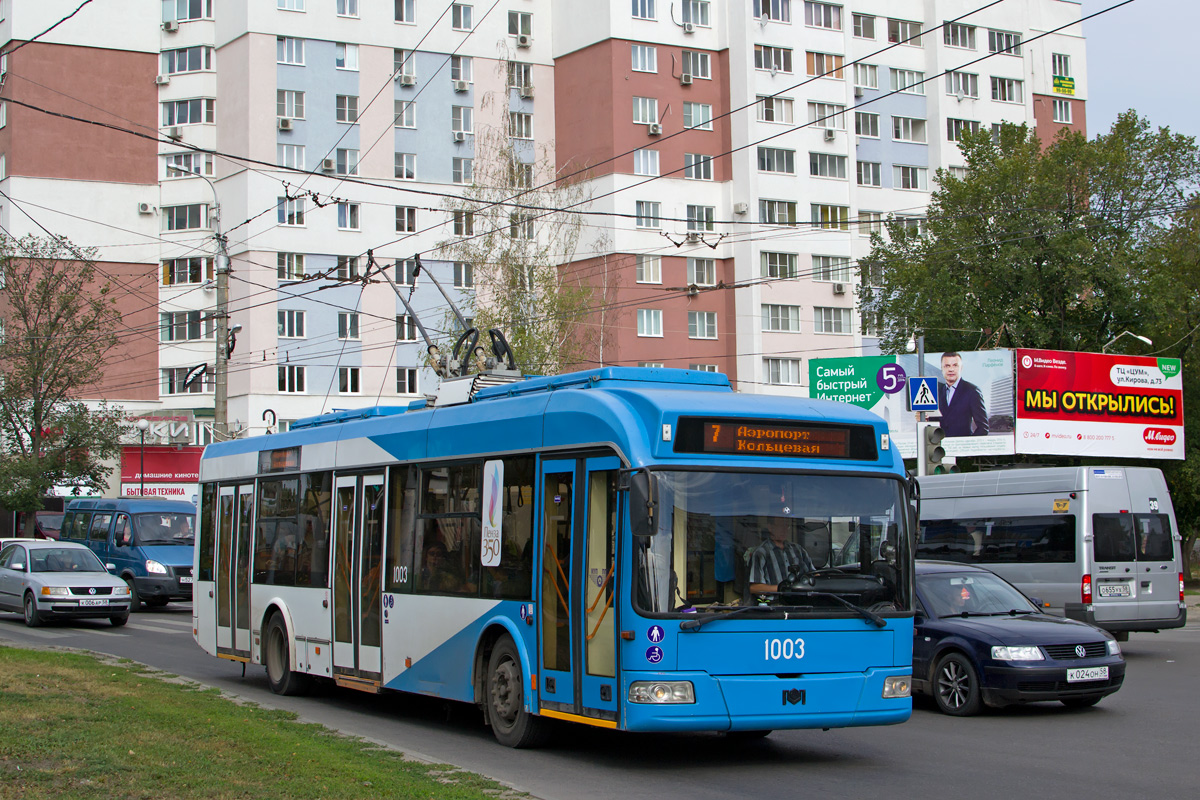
(636, 549)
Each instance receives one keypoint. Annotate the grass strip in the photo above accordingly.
(74, 726)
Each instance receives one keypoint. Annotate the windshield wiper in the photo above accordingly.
(696, 624)
(865, 613)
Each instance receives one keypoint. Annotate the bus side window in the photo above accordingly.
(315, 513)
(208, 531)
(402, 511)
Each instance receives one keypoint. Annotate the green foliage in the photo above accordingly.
(59, 326)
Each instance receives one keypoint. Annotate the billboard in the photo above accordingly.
(1093, 404)
(974, 393)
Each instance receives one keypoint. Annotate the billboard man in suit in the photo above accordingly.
(961, 402)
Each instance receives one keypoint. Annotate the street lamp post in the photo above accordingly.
(143, 425)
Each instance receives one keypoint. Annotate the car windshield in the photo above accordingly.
(950, 594)
(64, 559)
(802, 541)
(163, 528)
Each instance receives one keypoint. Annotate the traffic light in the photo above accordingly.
(929, 461)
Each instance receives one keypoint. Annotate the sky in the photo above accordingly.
(1143, 56)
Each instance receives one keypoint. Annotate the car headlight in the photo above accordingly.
(897, 686)
(55, 591)
(1017, 653)
(661, 692)
(1114, 649)
(121, 591)
(155, 568)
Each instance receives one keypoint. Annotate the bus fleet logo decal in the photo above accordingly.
(794, 697)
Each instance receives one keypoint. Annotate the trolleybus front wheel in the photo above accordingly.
(278, 661)
(512, 725)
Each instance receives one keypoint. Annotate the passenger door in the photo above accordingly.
(358, 524)
(234, 530)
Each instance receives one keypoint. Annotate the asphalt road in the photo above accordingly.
(1137, 743)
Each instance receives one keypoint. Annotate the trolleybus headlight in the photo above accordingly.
(661, 692)
(1012, 653)
(897, 686)
(1114, 649)
(155, 568)
(55, 591)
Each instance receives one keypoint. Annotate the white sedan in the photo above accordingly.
(49, 579)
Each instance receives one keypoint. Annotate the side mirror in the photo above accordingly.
(18, 566)
(1037, 602)
(643, 502)
(125, 540)
(110, 567)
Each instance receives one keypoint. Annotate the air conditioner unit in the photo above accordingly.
(145, 208)
(460, 86)
(162, 80)
(858, 91)
(741, 208)
(458, 136)
(654, 128)
(527, 92)
(693, 238)
(406, 80)
(524, 40)
(829, 134)
(170, 26)
(685, 79)
(327, 165)
(839, 288)
(689, 27)
(285, 123)
(175, 133)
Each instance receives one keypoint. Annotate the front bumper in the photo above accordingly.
(70, 608)
(159, 586)
(1007, 685)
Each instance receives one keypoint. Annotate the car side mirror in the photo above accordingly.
(1036, 602)
(125, 540)
(19, 566)
(111, 567)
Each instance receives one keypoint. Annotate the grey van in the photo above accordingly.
(148, 541)
(1097, 544)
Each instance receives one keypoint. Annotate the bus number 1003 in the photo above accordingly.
(783, 649)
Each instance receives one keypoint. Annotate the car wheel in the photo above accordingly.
(512, 725)
(956, 686)
(33, 618)
(278, 661)
(1080, 702)
(134, 600)
(118, 620)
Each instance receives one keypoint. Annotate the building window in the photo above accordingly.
(864, 26)
(645, 58)
(347, 268)
(347, 108)
(1062, 111)
(866, 124)
(347, 8)
(866, 76)
(406, 166)
(184, 10)
(189, 112)
(774, 159)
(832, 269)
(955, 128)
(958, 173)
(182, 326)
(520, 75)
(831, 217)
(406, 380)
(777, 212)
(406, 11)
(462, 119)
(346, 162)
(406, 328)
(1008, 90)
(825, 65)
(290, 266)
(649, 214)
(643, 9)
(406, 219)
(462, 68)
(645, 162)
(779, 265)
(784, 319)
(645, 110)
(908, 81)
(701, 218)
(703, 367)
(649, 269)
(462, 170)
(174, 380)
(520, 226)
(955, 34)
(290, 155)
(345, 56)
(291, 379)
(775, 10)
(826, 165)
(831, 320)
(289, 5)
(464, 223)
(348, 325)
(823, 15)
(869, 173)
(827, 115)
(348, 380)
(182, 271)
(460, 17)
(905, 177)
(196, 59)
(696, 12)
(464, 275)
(782, 371)
(347, 216)
(184, 218)
(964, 83)
(698, 116)
(701, 272)
(697, 167)
(289, 103)
(649, 322)
(520, 125)
(406, 272)
(520, 23)
(290, 211)
(702, 325)
(405, 114)
(1060, 65)
(870, 222)
(908, 129)
(904, 32)
(404, 62)
(773, 59)
(775, 109)
(698, 65)
(1004, 42)
(651, 364)
(184, 165)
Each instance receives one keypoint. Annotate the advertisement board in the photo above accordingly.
(974, 396)
(171, 472)
(1093, 404)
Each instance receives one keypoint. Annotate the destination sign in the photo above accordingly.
(774, 438)
(283, 460)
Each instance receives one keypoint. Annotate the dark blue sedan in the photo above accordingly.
(979, 641)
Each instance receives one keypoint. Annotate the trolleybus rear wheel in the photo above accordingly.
(278, 661)
(512, 725)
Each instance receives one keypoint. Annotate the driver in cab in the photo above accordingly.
(770, 561)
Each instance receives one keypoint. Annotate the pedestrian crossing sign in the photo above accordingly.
(922, 394)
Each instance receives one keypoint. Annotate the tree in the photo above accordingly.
(508, 228)
(1033, 247)
(59, 326)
